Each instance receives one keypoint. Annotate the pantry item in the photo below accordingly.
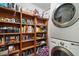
(38, 29)
(11, 48)
(23, 21)
(42, 42)
(30, 22)
(44, 51)
(30, 29)
(3, 51)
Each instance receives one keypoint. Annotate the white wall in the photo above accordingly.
(44, 6)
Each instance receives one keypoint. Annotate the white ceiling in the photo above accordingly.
(44, 6)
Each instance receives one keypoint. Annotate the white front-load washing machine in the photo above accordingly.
(63, 48)
(64, 21)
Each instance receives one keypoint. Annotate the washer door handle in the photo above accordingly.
(75, 44)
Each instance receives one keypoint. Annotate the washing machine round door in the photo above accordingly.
(64, 14)
(60, 51)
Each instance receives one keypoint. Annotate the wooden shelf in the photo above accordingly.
(30, 25)
(27, 25)
(27, 48)
(9, 44)
(1, 44)
(8, 10)
(40, 32)
(13, 43)
(26, 14)
(9, 33)
(16, 51)
(27, 33)
(40, 25)
(9, 24)
(40, 38)
(28, 40)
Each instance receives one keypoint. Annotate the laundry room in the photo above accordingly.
(39, 29)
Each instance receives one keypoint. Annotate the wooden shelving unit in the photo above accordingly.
(24, 44)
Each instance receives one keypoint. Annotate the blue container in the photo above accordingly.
(3, 4)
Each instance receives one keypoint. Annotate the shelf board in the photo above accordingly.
(40, 25)
(8, 44)
(16, 51)
(9, 33)
(27, 14)
(30, 24)
(27, 48)
(40, 32)
(14, 43)
(40, 45)
(1, 44)
(9, 24)
(27, 24)
(5, 9)
(28, 40)
(27, 33)
(40, 38)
